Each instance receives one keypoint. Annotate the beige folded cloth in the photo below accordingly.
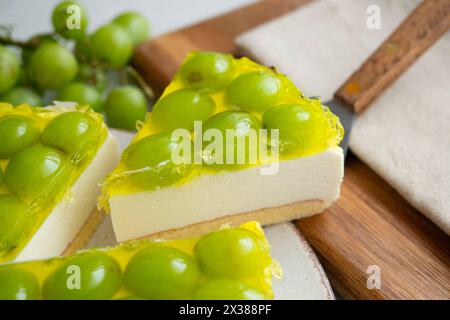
(405, 134)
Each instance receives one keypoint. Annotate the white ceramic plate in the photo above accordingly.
(303, 276)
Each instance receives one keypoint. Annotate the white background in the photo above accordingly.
(30, 17)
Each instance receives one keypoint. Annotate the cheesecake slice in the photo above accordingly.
(228, 141)
(51, 161)
(226, 264)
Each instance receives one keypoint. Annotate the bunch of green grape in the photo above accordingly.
(47, 67)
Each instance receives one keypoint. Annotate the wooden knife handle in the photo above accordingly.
(414, 36)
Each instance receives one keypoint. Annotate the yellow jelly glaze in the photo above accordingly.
(40, 208)
(125, 251)
(118, 181)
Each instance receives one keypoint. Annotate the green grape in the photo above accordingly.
(125, 106)
(20, 95)
(300, 126)
(31, 170)
(162, 273)
(13, 220)
(155, 154)
(242, 123)
(70, 20)
(112, 45)
(26, 77)
(207, 70)
(135, 24)
(16, 284)
(227, 289)
(34, 42)
(87, 276)
(9, 69)
(16, 134)
(81, 93)
(232, 253)
(70, 132)
(1, 177)
(181, 108)
(53, 66)
(254, 91)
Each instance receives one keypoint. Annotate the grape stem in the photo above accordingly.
(6, 39)
(141, 82)
(10, 42)
(94, 77)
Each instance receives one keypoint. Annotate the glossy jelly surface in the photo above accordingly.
(231, 263)
(42, 153)
(225, 93)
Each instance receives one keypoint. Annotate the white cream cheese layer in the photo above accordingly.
(212, 196)
(65, 221)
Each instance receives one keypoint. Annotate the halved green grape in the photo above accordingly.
(19, 95)
(81, 93)
(16, 284)
(154, 154)
(254, 91)
(53, 66)
(31, 170)
(87, 276)
(70, 20)
(13, 220)
(111, 44)
(9, 69)
(227, 289)
(16, 134)
(244, 142)
(125, 106)
(207, 70)
(160, 272)
(232, 253)
(300, 126)
(181, 108)
(70, 132)
(135, 24)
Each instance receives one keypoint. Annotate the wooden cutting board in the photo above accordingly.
(371, 227)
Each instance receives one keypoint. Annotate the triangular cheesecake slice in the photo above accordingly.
(229, 141)
(51, 160)
(226, 264)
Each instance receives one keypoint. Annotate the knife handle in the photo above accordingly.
(414, 36)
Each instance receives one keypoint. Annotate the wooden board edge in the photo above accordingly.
(87, 230)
